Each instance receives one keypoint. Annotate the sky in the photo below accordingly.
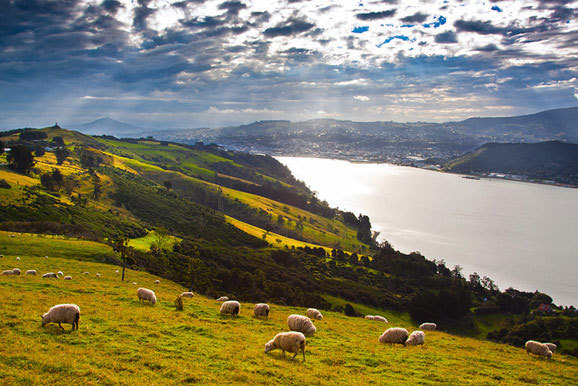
(205, 63)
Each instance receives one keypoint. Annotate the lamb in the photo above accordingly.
(415, 338)
(49, 275)
(379, 318)
(31, 272)
(428, 326)
(15, 271)
(394, 335)
(67, 277)
(287, 341)
(261, 309)
(552, 347)
(8, 272)
(313, 313)
(222, 299)
(230, 307)
(301, 323)
(147, 295)
(62, 313)
(538, 348)
(187, 295)
(157, 281)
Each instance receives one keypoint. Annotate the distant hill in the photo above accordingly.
(108, 126)
(546, 160)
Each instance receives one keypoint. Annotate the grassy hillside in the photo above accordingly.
(121, 341)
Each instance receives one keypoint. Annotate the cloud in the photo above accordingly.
(416, 18)
(375, 15)
(446, 37)
(292, 26)
(362, 98)
(233, 7)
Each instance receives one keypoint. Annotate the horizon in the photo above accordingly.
(215, 63)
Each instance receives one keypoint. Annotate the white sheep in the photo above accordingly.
(147, 295)
(187, 295)
(59, 273)
(8, 272)
(292, 342)
(230, 307)
(67, 277)
(97, 275)
(50, 275)
(428, 326)
(157, 281)
(379, 318)
(31, 272)
(261, 309)
(62, 313)
(301, 323)
(134, 283)
(16, 271)
(394, 335)
(369, 317)
(17, 258)
(313, 313)
(415, 338)
(116, 271)
(538, 348)
(86, 273)
(222, 299)
(552, 347)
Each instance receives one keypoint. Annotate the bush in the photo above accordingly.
(350, 311)
(4, 184)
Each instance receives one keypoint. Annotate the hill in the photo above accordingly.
(108, 126)
(555, 161)
(121, 341)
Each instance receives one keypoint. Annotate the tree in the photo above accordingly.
(39, 151)
(168, 184)
(120, 245)
(58, 141)
(62, 153)
(161, 239)
(20, 159)
(1, 147)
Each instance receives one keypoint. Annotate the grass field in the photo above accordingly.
(144, 243)
(121, 341)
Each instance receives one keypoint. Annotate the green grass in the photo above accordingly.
(144, 243)
(123, 341)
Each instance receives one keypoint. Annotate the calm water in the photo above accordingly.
(519, 234)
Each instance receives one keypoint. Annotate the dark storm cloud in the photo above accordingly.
(488, 48)
(292, 26)
(232, 7)
(487, 28)
(375, 15)
(446, 38)
(416, 18)
(112, 6)
(141, 14)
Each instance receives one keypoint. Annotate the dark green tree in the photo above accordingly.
(168, 184)
(39, 151)
(1, 147)
(62, 153)
(20, 159)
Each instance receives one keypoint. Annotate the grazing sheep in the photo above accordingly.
(86, 273)
(379, 318)
(116, 271)
(369, 317)
(8, 272)
(428, 326)
(31, 272)
(261, 309)
(394, 335)
(313, 313)
(134, 283)
(415, 338)
(97, 275)
(301, 323)
(230, 307)
(538, 348)
(287, 341)
(146, 294)
(62, 313)
(157, 281)
(16, 271)
(187, 295)
(49, 275)
(67, 277)
(59, 273)
(17, 258)
(222, 299)
(552, 347)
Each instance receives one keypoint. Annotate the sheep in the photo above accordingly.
(538, 348)
(134, 283)
(146, 294)
(415, 338)
(67, 277)
(552, 347)
(394, 335)
(230, 307)
(301, 323)
(59, 273)
(97, 275)
(157, 281)
(86, 273)
(428, 326)
(49, 275)
(31, 272)
(116, 271)
(369, 317)
(313, 313)
(261, 309)
(379, 318)
(287, 341)
(16, 271)
(62, 313)
(17, 258)
(222, 299)
(8, 272)
(187, 295)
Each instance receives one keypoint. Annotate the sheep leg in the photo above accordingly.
(297, 353)
(303, 350)
(61, 326)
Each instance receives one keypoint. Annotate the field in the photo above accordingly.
(121, 341)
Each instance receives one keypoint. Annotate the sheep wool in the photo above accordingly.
(379, 318)
(187, 295)
(157, 281)
(261, 310)
(67, 277)
(97, 275)
(230, 307)
(369, 317)
(394, 335)
(301, 323)
(538, 348)
(8, 272)
(62, 313)
(146, 295)
(31, 272)
(552, 347)
(49, 275)
(86, 273)
(313, 313)
(222, 299)
(292, 342)
(428, 326)
(59, 273)
(16, 271)
(415, 338)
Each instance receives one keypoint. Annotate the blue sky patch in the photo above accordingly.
(496, 8)
(439, 21)
(360, 30)
(400, 37)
